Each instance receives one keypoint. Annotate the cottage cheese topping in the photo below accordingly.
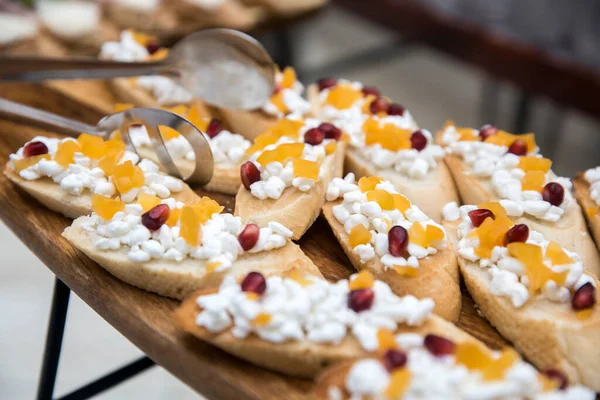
(296, 106)
(508, 277)
(316, 311)
(69, 19)
(491, 161)
(165, 90)
(84, 174)
(16, 27)
(593, 177)
(357, 209)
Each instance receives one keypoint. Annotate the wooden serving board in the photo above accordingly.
(147, 319)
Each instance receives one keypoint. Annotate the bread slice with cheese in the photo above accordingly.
(589, 206)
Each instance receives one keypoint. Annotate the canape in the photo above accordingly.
(587, 189)
(231, 14)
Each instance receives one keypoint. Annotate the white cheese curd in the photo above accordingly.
(165, 90)
(16, 27)
(296, 105)
(593, 177)
(83, 174)
(355, 209)
(218, 245)
(491, 161)
(69, 19)
(315, 310)
(508, 276)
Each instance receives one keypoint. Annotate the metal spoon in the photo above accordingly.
(223, 67)
(149, 117)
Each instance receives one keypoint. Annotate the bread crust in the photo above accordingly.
(438, 276)
(49, 193)
(548, 334)
(582, 193)
(158, 21)
(295, 209)
(179, 279)
(303, 359)
(231, 14)
(570, 231)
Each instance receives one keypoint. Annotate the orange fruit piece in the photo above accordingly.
(298, 276)
(306, 169)
(212, 265)
(386, 340)
(65, 152)
(494, 207)
(533, 180)
(91, 146)
(180, 109)
(399, 382)
(122, 107)
(106, 207)
(168, 133)
(473, 356)
(491, 233)
(160, 54)
(174, 216)
(359, 235)
(189, 226)
(537, 273)
(367, 183)
(556, 253)
(262, 319)
(330, 148)
(25, 163)
(205, 208)
(467, 134)
(417, 235)
(499, 366)
(535, 164)
(434, 233)
(147, 201)
(592, 211)
(343, 96)
(383, 198)
(289, 78)
(142, 38)
(401, 203)
(196, 116)
(363, 280)
(126, 176)
(407, 271)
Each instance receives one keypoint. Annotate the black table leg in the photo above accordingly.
(54, 337)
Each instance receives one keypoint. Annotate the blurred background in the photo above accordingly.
(522, 65)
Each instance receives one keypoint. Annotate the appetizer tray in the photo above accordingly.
(147, 319)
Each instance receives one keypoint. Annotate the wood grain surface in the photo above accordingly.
(147, 319)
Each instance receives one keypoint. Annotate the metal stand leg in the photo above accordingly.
(54, 337)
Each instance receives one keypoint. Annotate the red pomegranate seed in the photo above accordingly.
(277, 88)
(553, 193)
(135, 126)
(518, 233)
(152, 48)
(393, 359)
(314, 136)
(478, 216)
(379, 105)
(156, 217)
(361, 300)
(326, 83)
(557, 376)
(35, 149)
(396, 109)
(331, 131)
(438, 346)
(249, 173)
(486, 131)
(214, 128)
(418, 140)
(397, 241)
(249, 236)
(371, 90)
(584, 297)
(254, 282)
(518, 147)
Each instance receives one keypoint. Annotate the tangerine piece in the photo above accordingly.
(122, 107)
(179, 109)
(212, 265)
(363, 280)
(252, 296)
(277, 101)
(401, 203)
(147, 201)
(65, 152)
(205, 208)
(473, 356)
(417, 235)
(290, 150)
(467, 134)
(533, 180)
(91, 146)
(106, 207)
(189, 226)
(529, 138)
(383, 198)
(108, 163)
(197, 117)
(494, 207)
(491, 233)
(262, 319)
(142, 38)
(330, 148)
(296, 275)
(306, 169)
(287, 127)
(389, 136)
(502, 138)
(537, 273)
(25, 163)
(498, 367)
(367, 183)
(126, 176)
(174, 216)
(399, 382)
(407, 271)
(288, 78)
(434, 233)
(343, 96)
(261, 141)
(114, 145)
(535, 164)
(556, 253)
(386, 340)
(168, 133)
(359, 235)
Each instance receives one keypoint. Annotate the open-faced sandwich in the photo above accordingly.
(299, 324)
(489, 164)
(64, 174)
(174, 248)
(383, 233)
(154, 16)
(587, 189)
(287, 101)
(385, 141)
(286, 177)
(233, 14)
(444, 367)
(538, 294)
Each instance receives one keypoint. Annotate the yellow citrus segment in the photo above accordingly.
(388, 136)
(91, 146)
(160, 54)
(494, 207)
(363, 280)
(359, 235)
(498, 367)
(473, 356)
(127, 176)
(330, 148)
(147, 201)
(367, 183)
(205, 208)
(168, 133)
(386, 339)
(197, 116)
(537, 273)
(65, 152)
(174, 216)
(343, 96)
(278, 102)
(298, 276)
(467, 134)
(288, 78)
(533, 180)
(383, 198)
(401, 203)
(557, 254)
(25, 163)
(399, 382)
(262, 319)
(535, 164)
(106, 207)
(189, 226)
(306, 169)
(212, 265)
(122, 107)
(491, 234)
(407, 271)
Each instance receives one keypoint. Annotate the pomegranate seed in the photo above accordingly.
(479, 215)
(152, 48)
(214, 128)
(393, 359)
(35, 149)
(418, 141)
(557, 376)
(135, 126)
(397, 241)
(396, 109)
(326, 83)
(254, 282)
(518, 147)
(361, 300)
(438, 346)
(553, 193)
(371, 90)
(518, 233)
(331, 131)
(584, 297)
(156, 217)
(249, 236)
(249, 173)
(277, 88)
(486, 131)
(314, 136)
(378, 105)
